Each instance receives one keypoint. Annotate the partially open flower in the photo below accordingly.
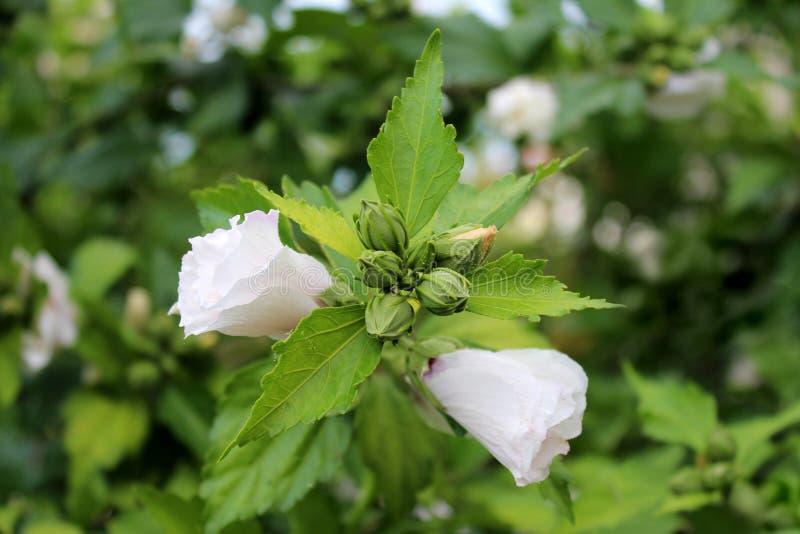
(245, 282)
(462, 249)
(522, 405)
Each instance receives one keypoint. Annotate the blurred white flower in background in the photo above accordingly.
(215, 25)
(685, 94)
(496, 13)
(283, 14)
(573, 13)
(56, 325)
(176, 146)
(777, 99)
(557, 209)
(608, 230)
(488, 159)
(700, 182)
(523, 106)
(644, 246)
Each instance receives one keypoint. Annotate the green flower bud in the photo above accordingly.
(681, 58)
(380, 268)
(654, 26)
(718, 475)
(433, 347)
(381, 227)
(462, 249)
(443, 291)
(687, 480)
(421, 256)
(390, 316)
(721, 445)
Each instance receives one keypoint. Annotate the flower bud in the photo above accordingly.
(443, 291)
(718, 475)
(381, 227)
(433, 347)
(380, 268)
(421, 256)
(721, 445)
(687, 480)
(462, 249)
(390, 316)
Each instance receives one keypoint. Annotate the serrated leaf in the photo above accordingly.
(173, 514)
(496, 204)
(396, 443)
(319, 367)
(324, 224)
(273, 473)
(216, 205)
(414, 159)
(512, 286)
(674, 412)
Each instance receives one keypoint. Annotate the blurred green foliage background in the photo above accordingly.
(686, 209)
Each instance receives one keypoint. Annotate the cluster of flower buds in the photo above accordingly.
(430, 272)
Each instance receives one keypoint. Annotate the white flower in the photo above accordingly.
(245, 282)
(56, 322)
(522, 405)
(523, 106)
(214, 25)
(492, 158)
(686, 94)
(496, 13)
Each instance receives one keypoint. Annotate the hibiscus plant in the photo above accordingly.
(343, 286)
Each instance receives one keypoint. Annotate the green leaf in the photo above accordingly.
(10, 377)
(100, 431)
(216, 205)
(674, 412)
(512, 286)
(414, 159)
(273, 473)
(556, 490)
(185, 410)
(97, 265)
(173, 514)
(316, 513)
(318, 370)
(496, 204)
(51, 526)
(752, 436)
(396, 443)
(324, 224)
(690, 501)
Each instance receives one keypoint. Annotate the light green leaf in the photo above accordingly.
(752, 436)
(512, 286)
(100, 431)
(482, 331)
(396, 443)
(414, 159)
(216, 205)
(318, 370)
(173, 514)
(97, 265)
(674, 412)
(10, 377)
(689, 501)
(496, 204)
(51, 526)
(273, 473)
(324, 224)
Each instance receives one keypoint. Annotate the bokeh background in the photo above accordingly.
(686, 209)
